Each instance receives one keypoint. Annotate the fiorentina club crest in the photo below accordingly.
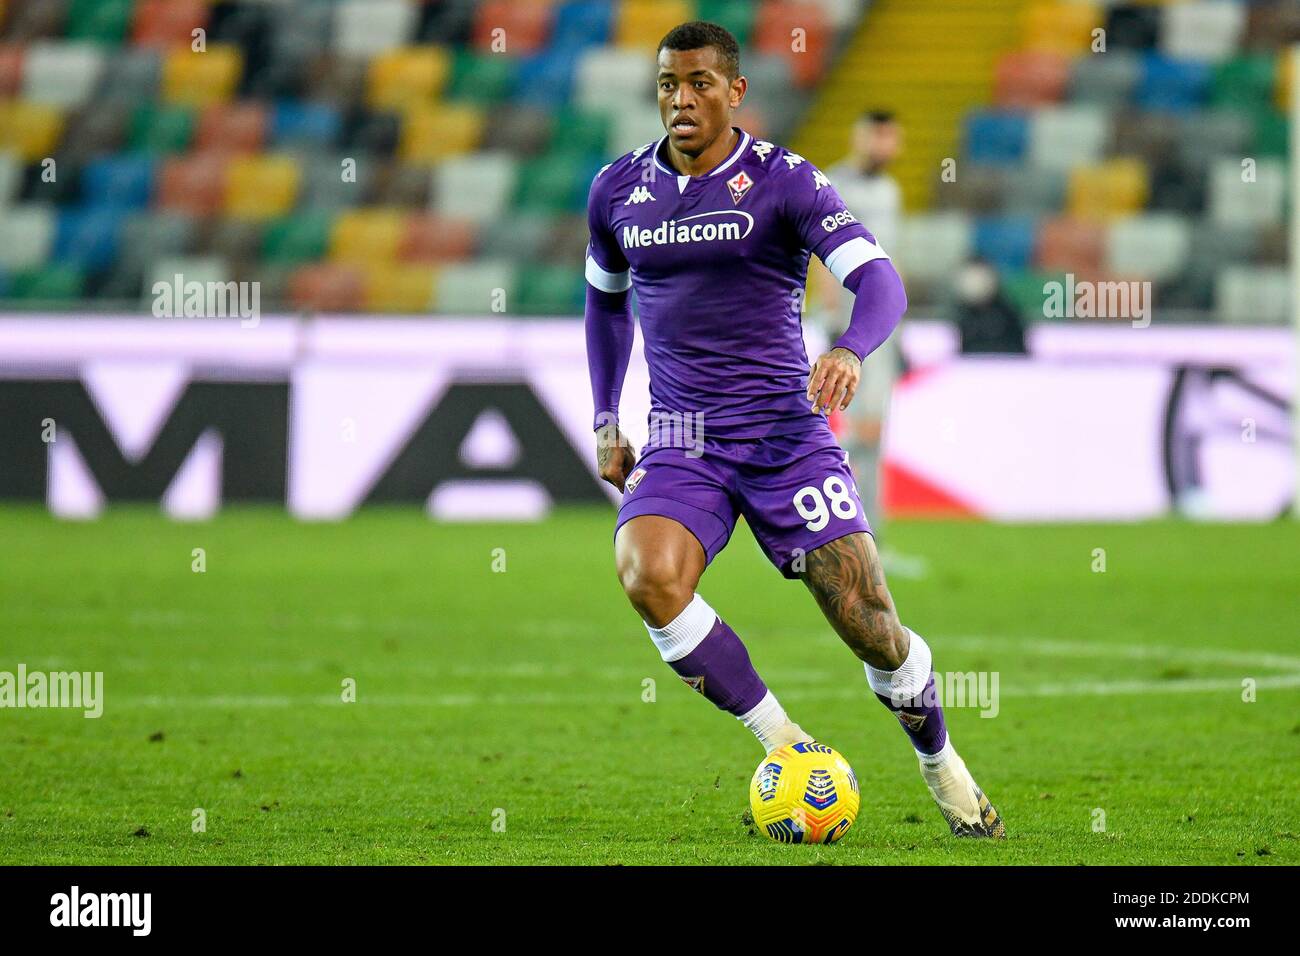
(912, 722)
(739, 185)
(695, 683)
(633, 480)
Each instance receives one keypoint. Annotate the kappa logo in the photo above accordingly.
(695, 683)
(633, 480)
(819, 178)
(763, 147)
(639, 195)
(739, 185)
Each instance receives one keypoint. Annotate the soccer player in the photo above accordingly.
(713, 229)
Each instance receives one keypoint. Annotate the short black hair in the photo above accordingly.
(700, 33)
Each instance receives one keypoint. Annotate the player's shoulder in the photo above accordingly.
(626, 169)
(781, 164)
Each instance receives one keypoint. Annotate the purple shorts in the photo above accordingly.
(795, 491)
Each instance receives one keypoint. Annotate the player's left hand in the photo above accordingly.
(833, 381)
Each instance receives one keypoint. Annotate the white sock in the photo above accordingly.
(907, 682)
(935, 761)
(684, 633)
(769, 723)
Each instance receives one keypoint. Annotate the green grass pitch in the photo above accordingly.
(516, 697)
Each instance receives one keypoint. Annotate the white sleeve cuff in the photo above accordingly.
(598, 278)
(843, 259)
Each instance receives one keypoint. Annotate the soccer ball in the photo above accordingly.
(804, 793)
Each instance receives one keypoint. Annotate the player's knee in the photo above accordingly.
(656, 587)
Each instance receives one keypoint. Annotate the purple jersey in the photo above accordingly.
(719, 263)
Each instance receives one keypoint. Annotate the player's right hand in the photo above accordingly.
(614, 455)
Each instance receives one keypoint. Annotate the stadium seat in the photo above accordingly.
(398, 287)
(400, 184)
(1070, 245)
(1116, 188)
(297, 123)
(476, 187)
(29, 129)
(580, 23)
(367, 235)
(1270, 134)
(556, 182)
(524, 237)
(447, 22)
(369, 132)
(1007, 242)
(232, 127)
(26, 236)
(124, 181)
(1029, 78)
(199, 79)
(1063, 137)
(147, 237)
(11, 70)
(328, 287)
(1130, 27)
(1253, 295)
(545, 79)
(168, 23)
(641, 24)
(191, 268)
(1215, 132)
(550, 290)
(1061, 26)
(736, 15)
(261, 187)
(298, 237)
(366, 28)
(167, 129)
(1034, 190)
(996, 137)
(36, 20)
(1107, 81)
(512, 27)
(428, 238)
(613, 79)
(323, 183)
(409, 76)
(483, 78)
(101, 21)
(194, 183)
(1236, 200)
(1244, 82)
(471, 288)
(96, 128)
(236, 242)
(431, 133)
(1177, 187)
(55, 284)
(1169, 84)
(1206, 30)
(520, 130)
(932, 247)
(797, 32)
(1153, 247)
(61, 74)
(977, 189)
(11, 176)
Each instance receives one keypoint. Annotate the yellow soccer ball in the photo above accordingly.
(804, 793)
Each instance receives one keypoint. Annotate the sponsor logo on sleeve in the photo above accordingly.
(837, 219)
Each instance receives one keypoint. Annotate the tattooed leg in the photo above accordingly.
(846, 579)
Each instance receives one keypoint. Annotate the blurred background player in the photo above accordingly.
(874, 197)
